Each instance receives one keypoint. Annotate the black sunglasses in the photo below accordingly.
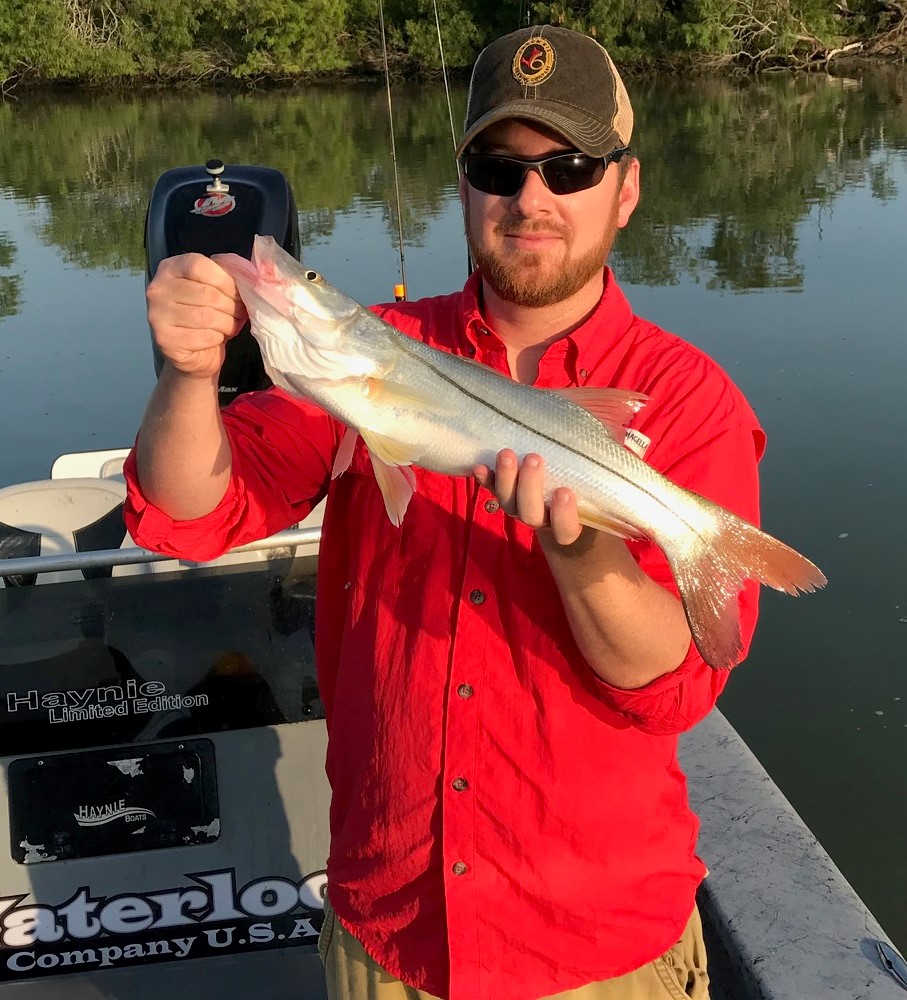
(562, 173)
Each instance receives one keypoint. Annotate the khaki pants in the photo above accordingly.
(679, 974)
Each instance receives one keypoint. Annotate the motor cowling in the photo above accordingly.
(219, 209)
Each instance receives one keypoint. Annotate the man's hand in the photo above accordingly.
(194, 308)
(520, 489)
(629, 629)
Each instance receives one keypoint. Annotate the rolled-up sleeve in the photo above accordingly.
(282, 451)
(705, 438)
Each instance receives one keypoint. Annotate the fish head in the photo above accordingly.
(300, 321)
(317, 310)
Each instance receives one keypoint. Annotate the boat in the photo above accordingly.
(162, 744)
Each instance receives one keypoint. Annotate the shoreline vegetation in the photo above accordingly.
(111, 44)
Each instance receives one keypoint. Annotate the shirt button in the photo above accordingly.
(477, 597)
(583, 373)
(491, 506)
(460, 868)
(459, 784)
(465, 691)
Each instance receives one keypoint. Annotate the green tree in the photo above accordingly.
(50, 40)
(629, 29)
(281, 38)
(459, 34)
(758, 34)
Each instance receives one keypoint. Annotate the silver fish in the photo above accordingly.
(415, 405)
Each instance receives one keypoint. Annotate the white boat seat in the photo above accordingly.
(57, 517)
(106, 464)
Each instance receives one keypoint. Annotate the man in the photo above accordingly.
(503, 688)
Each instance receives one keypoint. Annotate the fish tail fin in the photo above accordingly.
(711, 567)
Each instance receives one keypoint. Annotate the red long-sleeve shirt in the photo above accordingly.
(504, 825)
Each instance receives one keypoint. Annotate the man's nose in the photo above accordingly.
(533, 194)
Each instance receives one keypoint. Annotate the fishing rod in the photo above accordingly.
(453, 130)
(399, 290)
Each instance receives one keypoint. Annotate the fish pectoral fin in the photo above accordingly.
(393, 394)
(604, 522)
(345, 452)
(613, 407)
(397, 485)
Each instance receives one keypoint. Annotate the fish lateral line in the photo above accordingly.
(404, 343)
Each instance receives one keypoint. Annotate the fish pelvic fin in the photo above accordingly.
(397, 486)
(710, 572)
(388, 449)
(344, 453)
(391, 460)
(613, 407)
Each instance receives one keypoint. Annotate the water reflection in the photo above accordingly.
(10, 283)
(731, 167)
(90, 165)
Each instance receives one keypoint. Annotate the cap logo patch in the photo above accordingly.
(534, 62)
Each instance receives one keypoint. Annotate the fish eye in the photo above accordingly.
(312, 276)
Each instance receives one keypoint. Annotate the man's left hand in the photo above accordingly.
(520, 489)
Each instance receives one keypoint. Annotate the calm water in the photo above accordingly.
(772, 234)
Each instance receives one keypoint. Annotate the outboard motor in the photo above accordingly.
(218, 209)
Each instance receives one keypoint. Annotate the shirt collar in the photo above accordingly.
(579, 353)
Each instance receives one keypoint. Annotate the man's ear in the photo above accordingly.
(628, 198)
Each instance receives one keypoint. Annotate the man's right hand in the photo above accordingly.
(194, 308)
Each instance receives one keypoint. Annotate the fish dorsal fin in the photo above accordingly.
(382, 392)
(613, 407)
(345, 452)
(391, 461)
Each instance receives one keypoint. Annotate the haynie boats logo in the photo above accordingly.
(213, 916)
(110, 813)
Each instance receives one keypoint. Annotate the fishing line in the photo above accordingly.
(400, 290)
(453, 131)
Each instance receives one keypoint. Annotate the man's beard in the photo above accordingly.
(518, 277)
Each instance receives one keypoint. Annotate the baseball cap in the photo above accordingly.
(555, 76)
